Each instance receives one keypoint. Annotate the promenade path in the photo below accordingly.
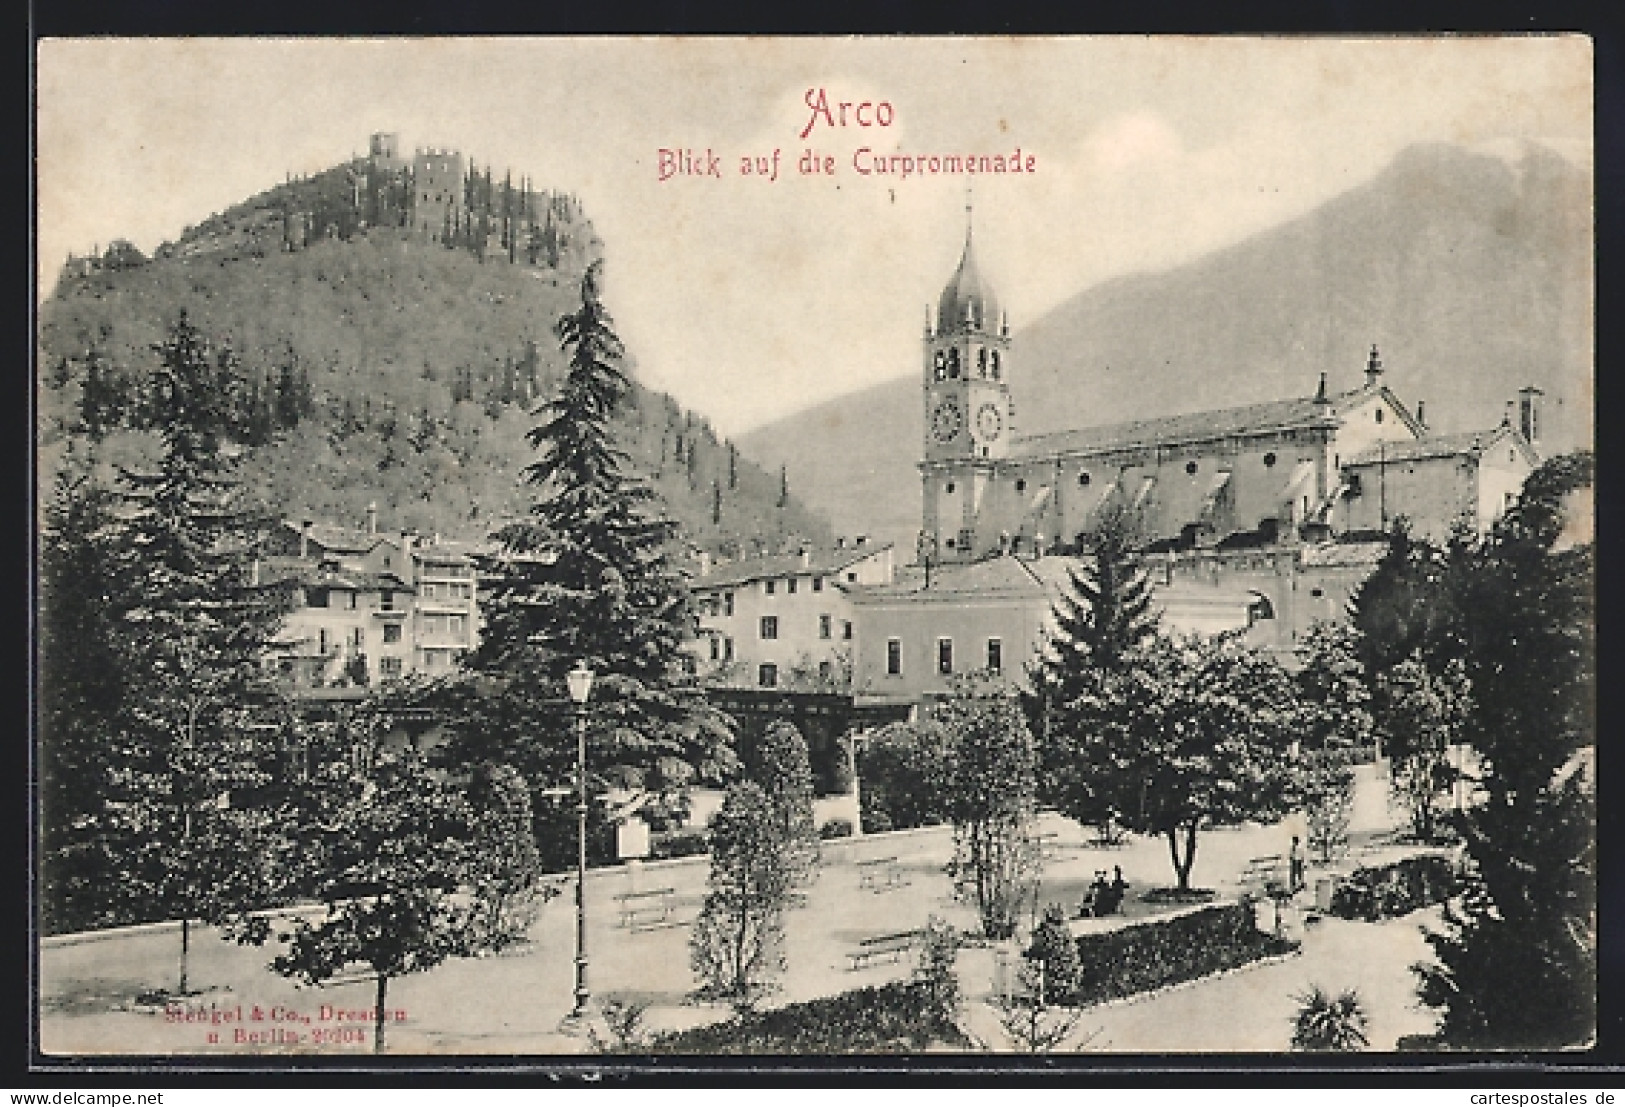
(513, 1003)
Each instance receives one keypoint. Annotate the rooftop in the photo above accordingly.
(1466, 443)
(819, 562)
(1196, 426)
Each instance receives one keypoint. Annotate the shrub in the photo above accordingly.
(1054, 949)
(1154, 955)
(1373, 894)
(835, 828)
(689, 842)
(894, 1018)
(1329, 1024)
(939, 952)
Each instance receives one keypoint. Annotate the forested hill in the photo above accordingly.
(377, 365)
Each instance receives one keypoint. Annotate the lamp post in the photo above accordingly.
(579, 681)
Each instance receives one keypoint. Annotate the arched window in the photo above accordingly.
(953, 363)
(981, 361)
(1083, 480)
(993, 363)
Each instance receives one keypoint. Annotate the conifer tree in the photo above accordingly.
(81, 689)
(737, 943)
(587, 577)
(1517, 962)
(192, 636)
(1107, 614)
(782, 768)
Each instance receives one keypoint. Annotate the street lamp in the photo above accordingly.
(579, 681)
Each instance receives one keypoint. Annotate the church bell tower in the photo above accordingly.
(969, 415)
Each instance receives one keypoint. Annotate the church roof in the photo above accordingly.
(1197, 426)
(967, 296)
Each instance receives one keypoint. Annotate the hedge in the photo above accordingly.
(1143, 958)
(689, 842)
(1387, 892)
(892, 1018)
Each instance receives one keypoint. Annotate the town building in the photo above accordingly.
(784, 622)
(368, 606)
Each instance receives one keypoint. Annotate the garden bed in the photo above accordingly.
(1119, 963)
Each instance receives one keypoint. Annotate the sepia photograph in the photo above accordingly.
(590, 550)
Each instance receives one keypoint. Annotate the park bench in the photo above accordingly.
(642, 907)
(1262, 871)
(879, 872)
(892, 947)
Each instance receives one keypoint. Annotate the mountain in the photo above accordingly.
(378, 365)
(1469, 268)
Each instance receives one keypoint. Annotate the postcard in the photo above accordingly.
(585, 548)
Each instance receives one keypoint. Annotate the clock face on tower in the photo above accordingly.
(988, 422)
(946, 420)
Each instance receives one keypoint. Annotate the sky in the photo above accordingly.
(746, 297)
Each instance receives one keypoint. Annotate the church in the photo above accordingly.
(1297, 469)
(1263, 518)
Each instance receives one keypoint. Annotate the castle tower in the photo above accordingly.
(969, 414)
(437, 190)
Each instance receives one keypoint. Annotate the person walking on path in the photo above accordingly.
(1294, 861)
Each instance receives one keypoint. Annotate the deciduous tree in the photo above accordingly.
(1198, 736)
(391, 853)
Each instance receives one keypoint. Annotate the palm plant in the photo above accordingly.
(1330, 1024)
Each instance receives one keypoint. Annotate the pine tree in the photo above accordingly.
(588, 578)
(192, 635)
(81, 689)
(1107, 614)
